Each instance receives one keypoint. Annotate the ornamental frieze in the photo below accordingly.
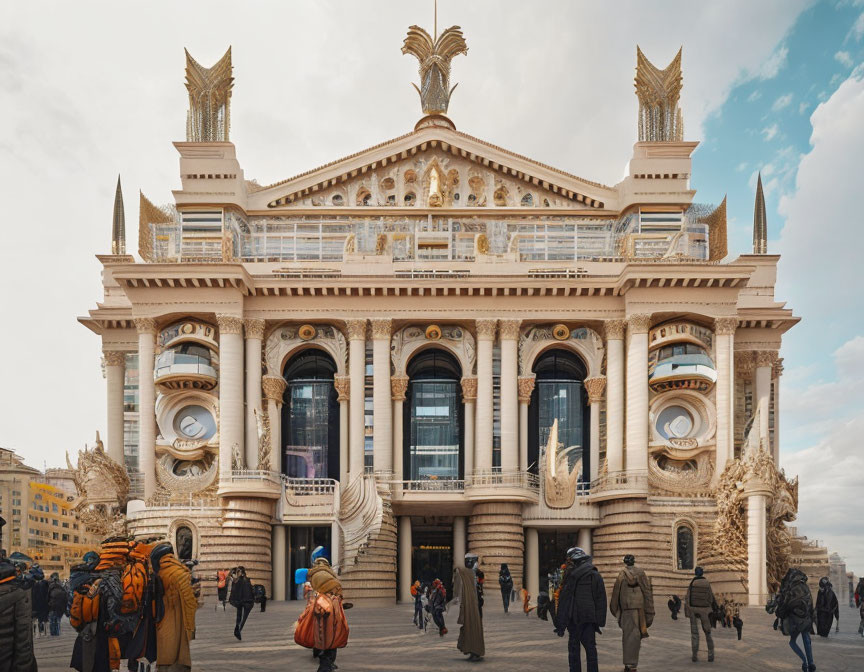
(284, 341)
(583, 340)
(451, 337)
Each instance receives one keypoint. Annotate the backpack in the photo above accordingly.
(85, 605)
(134, 583)
(795, 600)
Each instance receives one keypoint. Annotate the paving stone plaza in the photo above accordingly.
(383, 638)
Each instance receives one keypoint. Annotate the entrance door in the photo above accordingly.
(302, 541)
(553, 552)
(432, 552)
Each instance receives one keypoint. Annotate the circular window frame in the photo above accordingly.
(701, 409)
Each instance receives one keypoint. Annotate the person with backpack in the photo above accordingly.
(222, 587)
(417, 594)
(328, 613)
(16, 623)
(827, 608)
(699, 603)
(242, 599)
(581, 609)
(56, 603)
(632, 604)
(39, 597)
(505, 583)
(794, 607)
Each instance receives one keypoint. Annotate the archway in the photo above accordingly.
(433, 421)
(559, 393)
(310, 417)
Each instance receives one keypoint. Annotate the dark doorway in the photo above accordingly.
(432, 551)
(553, 552)
(301, 542)
(184, 543)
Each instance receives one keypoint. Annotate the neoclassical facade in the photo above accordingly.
(437, 345)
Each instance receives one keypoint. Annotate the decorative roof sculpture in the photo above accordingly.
(434, 56)
(658, 91)
(118, 224)
(760, 221)
(103, 489)
(209, 116)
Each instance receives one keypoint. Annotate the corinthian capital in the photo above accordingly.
(725, 326)
(486, 329)
(469, 389)
(254, 328)
(744, 363)
(229, 324)
(145, 325)
(526, 387)
(274, 388)
(356, 329)
(766, 358)
(639, 323)
(509, 329)
(115, 358)
(382, 327)
(398, 387)
(342, 384)
(596, 388)
(614, 329)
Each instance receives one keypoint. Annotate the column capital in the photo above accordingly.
(254, 328)
(398, 387)
(382, 327)
(342, 384)
(509, 329)
(486, 329)
(526, 387)
(614, 329)
(274, 388)
(114, 358)
(744, 362)
(469, 389)
(229, 324)
(766, 358)
(145, 325)
(356, 329)
(639, 323)
(596, 388)
(725, 326)
(778, 367)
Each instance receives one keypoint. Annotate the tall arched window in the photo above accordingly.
(433, 417)
(685, 547)
(184, 543)
(310, 417)
(559, 394)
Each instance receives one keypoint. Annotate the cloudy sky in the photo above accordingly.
(90, 90)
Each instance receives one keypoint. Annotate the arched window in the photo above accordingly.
(310, 417)
(527, 201)
(559, 394)
(685, 547)
(183, 543)
(433, 417)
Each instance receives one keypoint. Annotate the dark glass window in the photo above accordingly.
(184, 543)
(684, 547)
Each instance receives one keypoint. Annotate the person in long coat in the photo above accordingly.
(632, 604)
(466, 592)
(581, 609)
(175, 627)
(56, 603)
(39, 598)
(505, 582)
(242, 598)
(795, 609)
(16, 623)
(827, 608)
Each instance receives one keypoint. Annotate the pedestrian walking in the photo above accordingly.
(331, 625)
(861, 615)
(698, 606)
(16, 618)
(794, 606)
(242, 599)
(505, 582)
(417, 594)
(581, 609)
(467, 591)
(57, 599)
(827, 608)
(633, 605)
(39, 598)
(674, 605)
(437, 604)
(222, 587)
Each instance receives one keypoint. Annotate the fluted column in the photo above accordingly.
(274, 391)
(509, 335)
(765, 360)
(254, 336)
(526, 387)
(405, 559)
(115, 374)
(724, 334)
(280, 558)
(382, 399)
(778, 371)
(398, 387)
(343, 390)
(357, 371)
(532, 562)
(469, 399)
(596, 388)
(146, 403)
(583, 539)
(615, 395)
(231, 434)
(483, 420)
(637, 392)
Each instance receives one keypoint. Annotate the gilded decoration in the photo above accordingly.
(398, 387)
(725, 326)
(262, 423)
(482, 243)
(102, 486)
(273, 388)
(658, 91)
(615, 329)
(145, 325)
(381, 328)
(343, 387)
(306, 332)
(584, 341)
(686, 477)
(209, 116)
(254, 328)
(113, 358)
(560, 332)
(509, 329)
(356, 329)
(639, 323)
(284, 341)
(229, 324)
(434, 56)
(433, 332)
(526, 388)
(455, 339)
(469, 389)
(486, 329)
(596, 388)
(149, 214)
(560, 481)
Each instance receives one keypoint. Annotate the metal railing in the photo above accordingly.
(309, 498)
(621, 480)
(433, 485)
(506, 479)
(256, 475)
(305, 487)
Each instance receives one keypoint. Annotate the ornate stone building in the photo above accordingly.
(372, 356)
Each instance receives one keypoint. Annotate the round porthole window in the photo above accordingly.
(194, 422)
(674, 422)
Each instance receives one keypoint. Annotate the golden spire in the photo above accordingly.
(658, 91)
(118, 224)
(209, 116)
(760, 221)
(434, 55)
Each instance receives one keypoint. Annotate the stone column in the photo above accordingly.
(146, 403)
(469, 398)
(343, 390)
(596, 387)
(459, 527)
(357, 372)
(778, 371)
(274, 391)
(724, 333)
(115, 374)
(335, 546)
(757, 494)
(637, 392)
(583, 539)
(405, 559)
(254, 336)
(398, 387)
(280, 557)
(509, 335)
(765, 360)
(526, 387)
(615, 395)
(483, 420)
(532, 562)
(382, 399)
(231, 436)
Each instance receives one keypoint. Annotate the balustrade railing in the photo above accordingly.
(255, 475)
(621, 480)
(507, 479)
(305, 487)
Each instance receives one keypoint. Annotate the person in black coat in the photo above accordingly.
(16, 618)
(242, 598)
(39, 597)
(505, 582)
(827, 608)
(56, 603)
(581, 609)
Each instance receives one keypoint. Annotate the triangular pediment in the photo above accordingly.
(434, 167)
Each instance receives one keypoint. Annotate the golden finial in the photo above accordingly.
(435, 55)
(209, 117)
(658, 91)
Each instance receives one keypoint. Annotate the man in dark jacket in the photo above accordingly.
(827, 608)
(39, 598)
(16, 617)
(56, 603)
(698, 606)
(581, 609)
(242, 598)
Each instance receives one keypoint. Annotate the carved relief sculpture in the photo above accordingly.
(559, 481)
(209, 116)
(262, 421)
(434, 57)
(103, 489)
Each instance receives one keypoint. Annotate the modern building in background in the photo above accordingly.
(373, 355)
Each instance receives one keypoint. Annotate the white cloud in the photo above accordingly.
(772, 65)
(782, 102)
(844, 58)
(770, 132)
(741, 167)
(858, 28)
(803, 107)
(753, 97)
